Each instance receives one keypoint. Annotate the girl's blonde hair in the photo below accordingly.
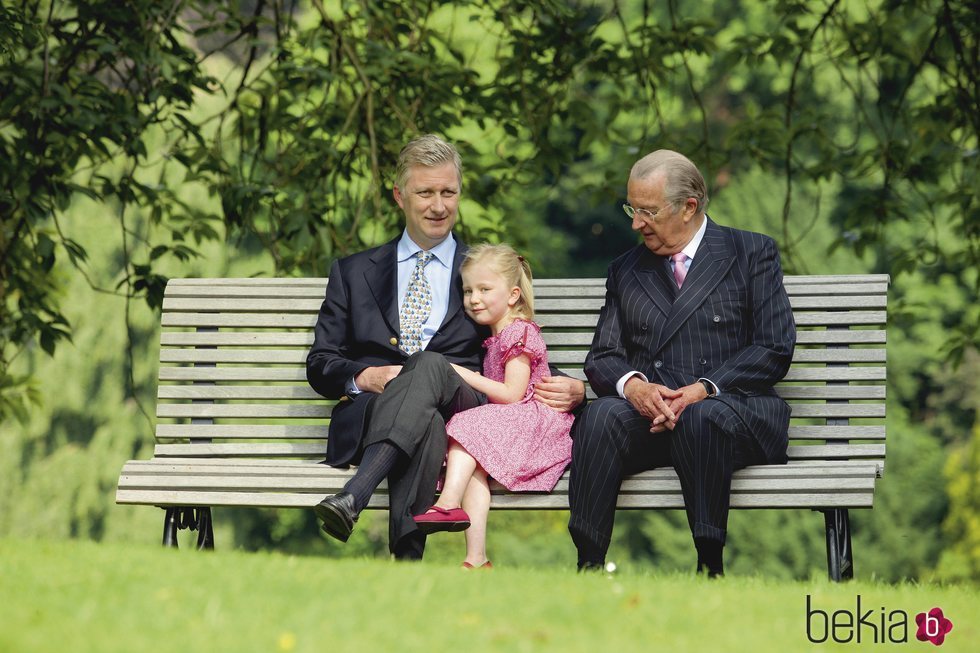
(513, 267)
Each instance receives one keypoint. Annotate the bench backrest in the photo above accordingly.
(233, 373)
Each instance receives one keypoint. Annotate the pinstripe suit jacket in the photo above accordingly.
(731, 322)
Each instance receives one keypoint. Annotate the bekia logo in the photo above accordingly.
(872, 625)
(933, 626)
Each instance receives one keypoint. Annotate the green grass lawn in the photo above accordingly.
(82, 596)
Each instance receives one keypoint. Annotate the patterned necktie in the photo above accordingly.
(680, 269)
(416, 306)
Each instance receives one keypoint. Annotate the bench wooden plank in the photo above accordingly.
(261, 392)
(272, 374)
(565, 320)
(817, 469)
(318, 449)
(580, 339)
(323, 410)
(541, 292)
(557, 357)
(789, 280)
(245, 432)
(303, 305)
(305, 392)
(509, 501)
(307, 431)
(327, 484)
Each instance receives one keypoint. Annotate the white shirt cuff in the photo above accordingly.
(621, 384)
(717, 391)
(352, 390)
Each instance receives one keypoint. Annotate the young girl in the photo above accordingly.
(519, 442)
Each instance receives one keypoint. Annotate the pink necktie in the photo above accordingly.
(680, 270)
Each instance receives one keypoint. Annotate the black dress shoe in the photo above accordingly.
(338, 515)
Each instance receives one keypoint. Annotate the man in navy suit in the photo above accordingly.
(390, 325)
(695, 331)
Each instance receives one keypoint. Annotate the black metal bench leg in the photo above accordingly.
(170, 528)
(196, 519)
(205, 534)
(840, 559)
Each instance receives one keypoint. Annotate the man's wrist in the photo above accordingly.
(351, 389)
(710, 388)
(621, 385)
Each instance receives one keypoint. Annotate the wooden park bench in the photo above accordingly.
(237, 424)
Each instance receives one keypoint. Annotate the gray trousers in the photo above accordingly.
(411, 414)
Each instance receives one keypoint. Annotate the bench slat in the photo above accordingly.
(581, 339)
(304, 305)
(565, 320)
(532, 501)
(246, 431)
(836, 279)
(294, 373)
(786, 391)
(250, 392)
(324, 485)
(831, 451)
(318, 410)
(557, 357)
(323, 410)
(319, 431)
(318, 449)
(263, 467)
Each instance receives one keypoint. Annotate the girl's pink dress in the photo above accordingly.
(524, 446)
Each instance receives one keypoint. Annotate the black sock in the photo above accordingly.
(375, 465)
(710, 556)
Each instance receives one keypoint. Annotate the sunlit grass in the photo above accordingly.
(82, 596)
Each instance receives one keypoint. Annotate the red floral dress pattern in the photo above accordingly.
(524, 446)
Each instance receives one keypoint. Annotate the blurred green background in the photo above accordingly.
(148, 140)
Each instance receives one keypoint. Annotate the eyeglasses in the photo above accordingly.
(643, 214)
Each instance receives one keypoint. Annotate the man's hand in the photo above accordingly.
(651, 400)
(689, 394)
(562, 393)
(374, 379)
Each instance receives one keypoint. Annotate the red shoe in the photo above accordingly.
(485, 565)
(438, 519)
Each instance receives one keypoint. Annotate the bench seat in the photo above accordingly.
(237, 425)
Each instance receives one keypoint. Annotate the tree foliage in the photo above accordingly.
(318, 99)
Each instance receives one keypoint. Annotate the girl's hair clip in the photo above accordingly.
(520, 258)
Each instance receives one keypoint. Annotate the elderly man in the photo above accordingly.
(695, 332)
(390, 325)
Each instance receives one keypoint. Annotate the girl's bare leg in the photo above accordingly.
(459, 470)
(476, 503)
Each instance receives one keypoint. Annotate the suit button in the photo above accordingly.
(643, 327)
(717, 318)
(658, 364)
(394, 341)
(703, 361)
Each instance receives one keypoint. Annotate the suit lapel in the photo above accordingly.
(651, 274)
(382, 279)
(711, 263)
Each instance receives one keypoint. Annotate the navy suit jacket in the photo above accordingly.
(730, 322)
(357, 327)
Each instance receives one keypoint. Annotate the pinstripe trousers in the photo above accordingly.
(612, 440)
